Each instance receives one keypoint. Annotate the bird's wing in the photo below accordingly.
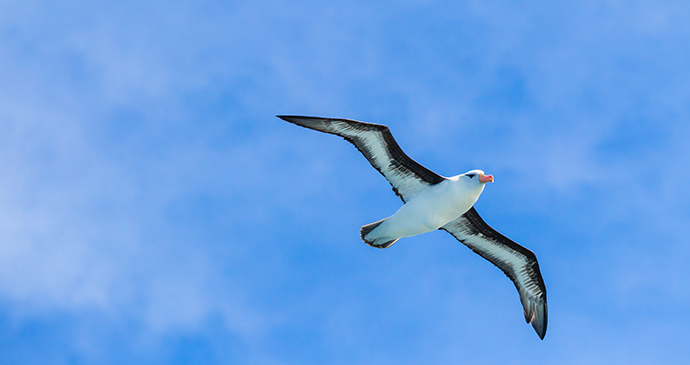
(377, 144)
(517, 262)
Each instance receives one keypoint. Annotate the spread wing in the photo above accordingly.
(517, 262)
(376, 143)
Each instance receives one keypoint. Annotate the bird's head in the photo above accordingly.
(478, 176)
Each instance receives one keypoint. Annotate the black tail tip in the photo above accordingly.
(382, 245)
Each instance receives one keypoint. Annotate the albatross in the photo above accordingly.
(431, 202)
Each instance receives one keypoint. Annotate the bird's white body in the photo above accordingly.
(431, 209)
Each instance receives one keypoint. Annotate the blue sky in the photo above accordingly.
(153, 209)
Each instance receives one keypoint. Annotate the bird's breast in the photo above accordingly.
(433, 209)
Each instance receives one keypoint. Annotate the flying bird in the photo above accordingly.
(433, 202)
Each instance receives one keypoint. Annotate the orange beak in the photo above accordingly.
(485, 178)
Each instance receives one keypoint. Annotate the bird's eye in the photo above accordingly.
(471, 175)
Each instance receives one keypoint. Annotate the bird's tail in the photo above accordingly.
(378, 242)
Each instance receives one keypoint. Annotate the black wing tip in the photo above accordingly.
(309, 117)
(540, 320)
(315, 123)
(294, 118)
(320, 124)
(541, 330)
(536, 312)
